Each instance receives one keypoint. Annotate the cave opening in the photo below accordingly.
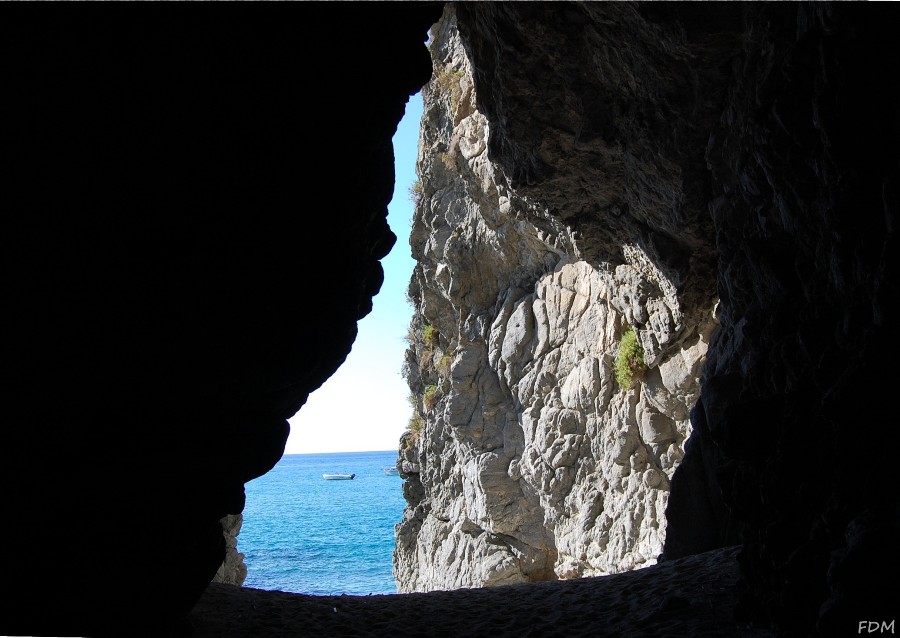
(302, 534)
(170, 309)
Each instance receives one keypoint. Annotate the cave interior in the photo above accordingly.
(194, 209)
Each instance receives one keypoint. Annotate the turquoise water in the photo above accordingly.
(307, 535)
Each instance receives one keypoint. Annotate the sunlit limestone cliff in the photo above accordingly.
(527, 459)
(722, 180)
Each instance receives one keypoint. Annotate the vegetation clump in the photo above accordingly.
(424, 343)
(416, 423)
(416, 191)
(629, 360)
(443, 365)
(430, 336)
(429, 399)
(448, 160)
(448, 83)
(428, 340)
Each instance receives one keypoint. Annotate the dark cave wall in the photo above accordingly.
(754, 148)
(194, 210)
(805, 158)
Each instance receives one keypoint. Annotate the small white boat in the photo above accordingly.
(390, 471)
(338, 477)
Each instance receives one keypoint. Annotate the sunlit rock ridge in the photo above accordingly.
(529, 460)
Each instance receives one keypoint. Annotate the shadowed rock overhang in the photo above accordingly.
(195, 204)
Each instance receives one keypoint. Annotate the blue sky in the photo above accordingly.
(363, 406)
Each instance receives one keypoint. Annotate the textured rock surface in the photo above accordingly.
(532, 462)
(747, 152)
(233, 570)
(184, 261)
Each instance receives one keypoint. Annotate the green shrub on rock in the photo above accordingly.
(416, 192)
(629, 360)
(429, 399)
(430, 336)
(444, 364)
(416, 423)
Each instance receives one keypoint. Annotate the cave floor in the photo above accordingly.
(693, 596)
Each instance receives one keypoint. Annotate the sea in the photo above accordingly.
(306, 535)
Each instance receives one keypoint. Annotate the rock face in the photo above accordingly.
(233, 570)
(183, 263)
(530, 461)
(609, 165)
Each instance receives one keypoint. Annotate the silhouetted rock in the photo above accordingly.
(194, 209)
